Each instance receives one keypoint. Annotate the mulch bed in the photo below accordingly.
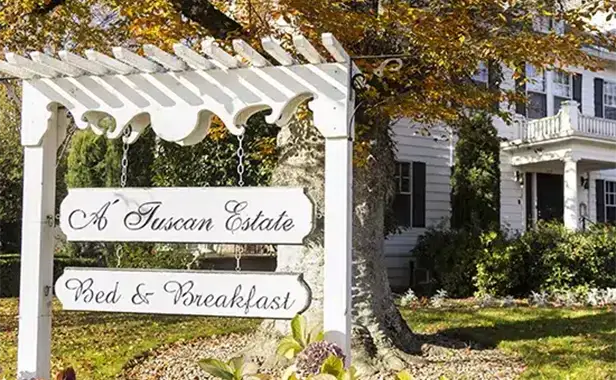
(442, 357)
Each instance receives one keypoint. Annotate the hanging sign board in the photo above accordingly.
(221, 294)
(251, 215)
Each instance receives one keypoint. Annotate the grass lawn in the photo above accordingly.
(98, 345)
(554, 343)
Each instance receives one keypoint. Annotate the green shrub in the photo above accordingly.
(450, 257)
(10, 266)
(548, 258)
(150, 256)
(475, 177)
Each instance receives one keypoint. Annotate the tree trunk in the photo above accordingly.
(381, 338)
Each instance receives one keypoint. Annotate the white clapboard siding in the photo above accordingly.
(436, 156)
(512, 196)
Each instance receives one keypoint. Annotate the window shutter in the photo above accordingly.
(577, 89)
(600, 197)
(530, 202)
(494, 79)
(419, 194)
(598, 97)
(520, 86)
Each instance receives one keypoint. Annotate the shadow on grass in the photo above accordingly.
(76, 319)
(541, 340)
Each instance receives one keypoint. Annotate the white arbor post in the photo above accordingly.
(338, 242)
(37, 247)
(178, 95)
(570, 194)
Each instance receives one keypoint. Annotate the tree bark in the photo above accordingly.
(381, 338)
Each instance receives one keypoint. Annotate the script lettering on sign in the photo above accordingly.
(273, 215)
(223, 294)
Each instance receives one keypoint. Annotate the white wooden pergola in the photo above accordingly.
(177, 95)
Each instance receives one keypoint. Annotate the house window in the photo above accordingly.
(536, 92)
(402, 203)
(481, 74)
(609, 100)
(563, 88)
(409, 207)
(545, 24)
(610, 201)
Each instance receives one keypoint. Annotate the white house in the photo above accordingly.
(558, 160)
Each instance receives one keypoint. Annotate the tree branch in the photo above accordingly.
(205, 14)
(46, 8)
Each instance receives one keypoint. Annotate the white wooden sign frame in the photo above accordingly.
(227, 215)
(184, 292)
(177, 95)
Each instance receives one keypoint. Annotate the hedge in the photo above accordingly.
(498, 263)
(548, 258)
(10, 265)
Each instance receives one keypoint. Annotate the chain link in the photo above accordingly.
(240, 158)
(240, 174)
(125, 147)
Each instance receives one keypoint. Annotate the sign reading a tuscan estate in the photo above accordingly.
(192, 215)
(223, 294)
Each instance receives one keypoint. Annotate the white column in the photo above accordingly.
(36, 287)
(571, 194)
(549, 93)
(338, 242)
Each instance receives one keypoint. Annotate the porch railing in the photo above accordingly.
(597, 126)
(569, 121)
(542, 129)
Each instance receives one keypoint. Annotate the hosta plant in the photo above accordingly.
(315, 356)
(332, 368)
(315, 360)
(299, 339)
(234, 369)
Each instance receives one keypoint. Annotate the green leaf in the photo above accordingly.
(288, 347)
(289, 374)
(250, 369)
(298, 329)
(316, 335)
(351, 374)
(333, 365)
(259, 376)
(237, 365)
(217, 369)
(404, 375)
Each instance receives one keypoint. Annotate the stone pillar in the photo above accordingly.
(571, 217)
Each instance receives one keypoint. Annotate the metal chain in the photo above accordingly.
(240, 174)
(240, 157)
(125, 147)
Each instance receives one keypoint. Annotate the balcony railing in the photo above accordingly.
(568, 122)
(597, 126)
